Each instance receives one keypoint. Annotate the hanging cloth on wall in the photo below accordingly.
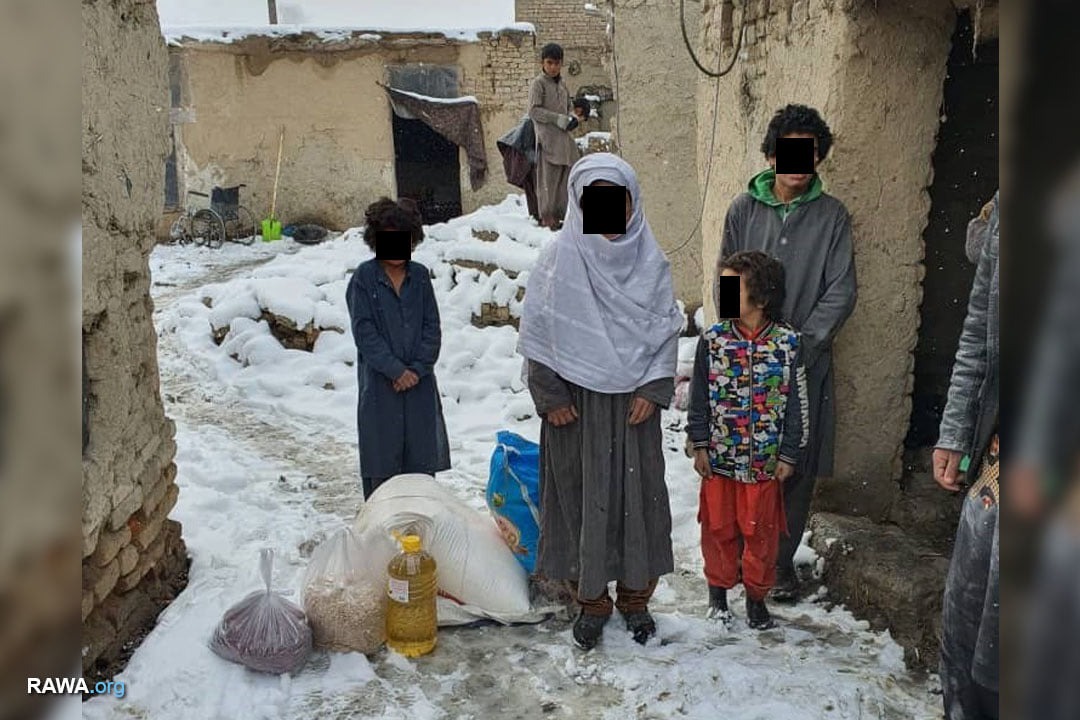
(456, 119)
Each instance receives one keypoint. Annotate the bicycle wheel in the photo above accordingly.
(241, 227)
(208, 229)
(180, 230)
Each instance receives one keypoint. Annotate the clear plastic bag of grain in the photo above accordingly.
(264, 631)
(344, 596)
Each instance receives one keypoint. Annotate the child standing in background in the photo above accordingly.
(550, 110)
(747, 424)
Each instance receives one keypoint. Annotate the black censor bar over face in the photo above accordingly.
(393, 245)
(795, 156)
(603, 209)
(729, 303)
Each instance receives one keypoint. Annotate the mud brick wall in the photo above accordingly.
(508, 68)
(564, 22)
(583, 37)
(657, 128)
(134, 560)
(875, 71)
(228, 126)
(497, 70)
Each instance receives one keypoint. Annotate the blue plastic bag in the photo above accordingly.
(513, 495)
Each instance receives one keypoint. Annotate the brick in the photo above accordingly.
(129, 581)
(148, 559)
(127, 507)
(87, 603)
(106, 580)
(108, 545)
(148, 531)
(129, 558)
(158, 493)
(91, 533)
(153, 495)
(171, 496)
(149, 450)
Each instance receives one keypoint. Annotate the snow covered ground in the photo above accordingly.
(267, 458)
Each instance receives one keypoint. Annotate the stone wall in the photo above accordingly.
(657, 128)
(339, 149)
(134, 560)
(875, 71)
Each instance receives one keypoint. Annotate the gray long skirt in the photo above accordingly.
(606, 514)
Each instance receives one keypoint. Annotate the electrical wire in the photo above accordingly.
(615, 64)
(716, 108)
(708, 171)
(690, 49)
(716, 98)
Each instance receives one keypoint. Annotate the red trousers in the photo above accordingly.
(741, 522)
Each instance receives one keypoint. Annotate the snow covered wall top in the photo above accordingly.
(177, 35)
(215, 21)
(315, 13)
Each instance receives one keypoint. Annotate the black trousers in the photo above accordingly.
(798, 494)
(371, 484)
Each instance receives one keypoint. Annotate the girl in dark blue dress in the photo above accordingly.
(395, 324)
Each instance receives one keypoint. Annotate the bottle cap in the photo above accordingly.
(411, 543)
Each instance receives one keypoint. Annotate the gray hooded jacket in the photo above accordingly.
(972, 408)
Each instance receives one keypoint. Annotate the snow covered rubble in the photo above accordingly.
(267, 458)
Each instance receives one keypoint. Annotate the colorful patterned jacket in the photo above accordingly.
(748, 402)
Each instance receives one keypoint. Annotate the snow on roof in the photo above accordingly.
(400, 16)
(445, 101)
(175, 35)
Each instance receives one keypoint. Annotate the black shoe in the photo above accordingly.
(718, 607)
(757, 615)
(786, 589)
(588, 629)
(641, 625)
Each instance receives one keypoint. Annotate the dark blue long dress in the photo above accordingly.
(398, 432)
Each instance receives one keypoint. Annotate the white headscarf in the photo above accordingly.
(602, 313)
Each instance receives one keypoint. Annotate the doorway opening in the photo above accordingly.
(426, 164)
(965, 177)
(428, 170)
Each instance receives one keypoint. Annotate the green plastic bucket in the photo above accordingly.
(271, 230)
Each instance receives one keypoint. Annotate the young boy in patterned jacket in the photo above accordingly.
(747, 424)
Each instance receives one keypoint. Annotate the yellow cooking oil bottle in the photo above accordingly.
(411, 621)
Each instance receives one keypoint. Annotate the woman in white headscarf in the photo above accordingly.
(600, 333)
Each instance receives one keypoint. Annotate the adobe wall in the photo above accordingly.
(657, 130)
(134, 560)
(875, 71)
(339, 152)
(498, 71)
(583, 37)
